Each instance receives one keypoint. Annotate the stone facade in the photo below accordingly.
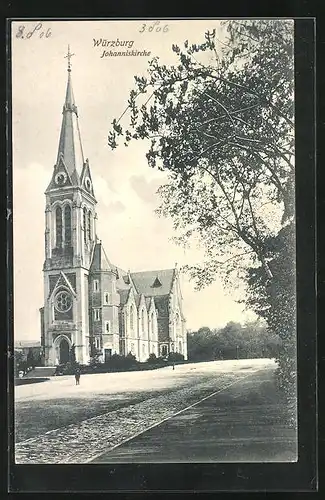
(90, 303)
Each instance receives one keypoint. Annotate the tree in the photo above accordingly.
(30, 358)
(152, 358)
(275, 300)
(94, 353)
(175, 356)
(223, 131)
(72, 354)
(231, 340)
(131, 357)
(252, 340)
(18, 362)
(202, 345)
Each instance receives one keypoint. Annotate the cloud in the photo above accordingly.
(146, 190)
(116, 207)
(28, 247)
(103, 193)
(133, 236)
(125, 186)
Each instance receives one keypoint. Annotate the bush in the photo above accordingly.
(94, 360)
(152, 359)
(175, 356)
(31, 362)
(129, 356)
(118, 363)
(67, 369)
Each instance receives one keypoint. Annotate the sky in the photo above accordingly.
(134, 237)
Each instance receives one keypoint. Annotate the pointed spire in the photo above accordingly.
(70, 147)
(69, 97)
(68, 56)
(69, 103)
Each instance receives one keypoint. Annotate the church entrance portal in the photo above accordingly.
(64, 351)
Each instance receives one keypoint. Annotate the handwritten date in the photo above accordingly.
(36, 31)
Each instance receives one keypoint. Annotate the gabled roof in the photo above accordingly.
(154, 283)
(121, 285)
(121, 278)
(60, 170)
(100, 261)
(85, 177)
(62, 280)
(124, 295)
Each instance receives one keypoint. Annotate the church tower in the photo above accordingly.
(70, 239)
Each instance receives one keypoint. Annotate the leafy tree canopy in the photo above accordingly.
(220, 122)
(251, 340)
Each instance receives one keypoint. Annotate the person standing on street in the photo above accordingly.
(77, 376)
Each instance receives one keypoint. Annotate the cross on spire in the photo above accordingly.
(68, 56)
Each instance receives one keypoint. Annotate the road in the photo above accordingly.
(246, 421)
(58, 402)
(137, 381)
(220, 410)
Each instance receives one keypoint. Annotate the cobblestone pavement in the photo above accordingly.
(80, 442)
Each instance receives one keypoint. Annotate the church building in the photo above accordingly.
(89, 302)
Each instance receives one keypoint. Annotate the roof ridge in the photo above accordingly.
(154, 270)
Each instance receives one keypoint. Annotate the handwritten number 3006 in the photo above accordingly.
(154, 27)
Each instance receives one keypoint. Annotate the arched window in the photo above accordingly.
(85, 224)
(152, 324)
(89, 226)
(131, 317)
(67, 226)
(58, 225)
(142, 320)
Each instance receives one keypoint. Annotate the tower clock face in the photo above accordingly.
(88, 183)
(60, 178)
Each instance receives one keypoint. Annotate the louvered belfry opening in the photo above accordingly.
(67, 226)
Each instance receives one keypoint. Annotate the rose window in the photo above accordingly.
(63, 302)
